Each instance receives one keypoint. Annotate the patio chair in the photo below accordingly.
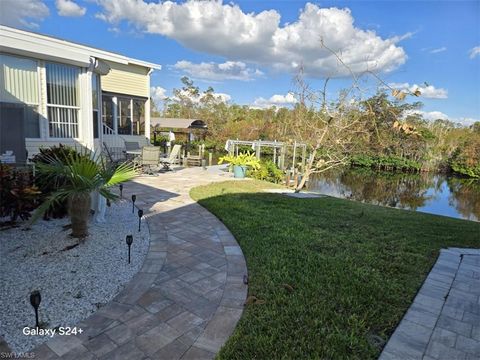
(131, 146)
(173, 158)
(150, 157)
(109, 155)
(196, 160)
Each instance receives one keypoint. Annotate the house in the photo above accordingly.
(55, 91)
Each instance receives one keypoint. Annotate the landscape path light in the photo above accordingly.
(134, 198)
(35, 299)
(129, 241)
(121, 191)
(140, 214)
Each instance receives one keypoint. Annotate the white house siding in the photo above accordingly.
(85, 121)
(127, 76)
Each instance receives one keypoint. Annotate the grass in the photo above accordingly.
(354, 269)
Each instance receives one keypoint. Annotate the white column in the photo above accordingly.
(131, 116)
(86, 109)
(115, 115)
(42, 109)
(100, 110)
(147, 109)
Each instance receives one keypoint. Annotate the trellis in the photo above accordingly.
(281, 152)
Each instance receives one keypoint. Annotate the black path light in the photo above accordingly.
(129, 241)
(35, 299)
(140, 214)
(121, 190)
(134, 197)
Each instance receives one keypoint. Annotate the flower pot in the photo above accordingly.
(239, 171)
(79, 211)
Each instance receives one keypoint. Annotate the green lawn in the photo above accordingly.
(354, 269)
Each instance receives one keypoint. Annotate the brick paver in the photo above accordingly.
(444, 320)
(187, 298)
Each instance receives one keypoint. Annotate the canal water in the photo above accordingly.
(425, 192)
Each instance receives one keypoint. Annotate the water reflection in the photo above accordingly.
(431, 193)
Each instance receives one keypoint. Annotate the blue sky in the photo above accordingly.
(250, 50)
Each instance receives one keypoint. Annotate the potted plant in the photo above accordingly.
(240, 163)
(81, 175)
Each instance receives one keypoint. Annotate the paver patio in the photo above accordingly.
(444, 320)
(187, 298)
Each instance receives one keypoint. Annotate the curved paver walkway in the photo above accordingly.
(444, 320)
(187, 298)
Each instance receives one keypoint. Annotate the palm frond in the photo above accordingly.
(121, 173)
(54, 198)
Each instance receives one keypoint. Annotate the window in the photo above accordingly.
(107, 114)
(138, 117)
(62, 100)
(124, 114)
(95, 94)
(19, 88)
(130, 115)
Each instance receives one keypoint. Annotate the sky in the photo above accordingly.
(249, 51)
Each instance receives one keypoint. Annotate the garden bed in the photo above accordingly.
(74, 280)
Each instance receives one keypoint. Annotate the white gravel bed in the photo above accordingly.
(73, 283)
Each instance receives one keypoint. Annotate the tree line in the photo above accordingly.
(381, 131)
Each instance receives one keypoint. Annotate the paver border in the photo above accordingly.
(413, 337)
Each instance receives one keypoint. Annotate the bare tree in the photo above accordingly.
(331, 127)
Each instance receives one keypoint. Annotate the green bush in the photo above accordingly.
(268, 171)
(46, 186)
(385, 162)
(243, 159)
(465, 160)
(18, 195)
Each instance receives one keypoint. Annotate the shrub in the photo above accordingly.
(47, 186)
(18, 194)
(267, 171)
(385, 162)
(243, 159)
(465, 160)
(80, 175)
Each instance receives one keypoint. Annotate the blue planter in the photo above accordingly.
(239, 171)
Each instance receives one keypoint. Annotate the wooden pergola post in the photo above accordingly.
(282, 157)
(294, 155)
(275, 153)
(304, 157)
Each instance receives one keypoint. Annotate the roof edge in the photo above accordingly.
(88, 50)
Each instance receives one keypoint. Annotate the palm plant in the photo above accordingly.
(79, 176)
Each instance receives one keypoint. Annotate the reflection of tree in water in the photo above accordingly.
(465, 197)
(383, 188)
(390, 189)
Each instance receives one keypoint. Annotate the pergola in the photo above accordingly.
(282, 151)
(177, 125)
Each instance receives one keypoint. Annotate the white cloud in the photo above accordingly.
(225, 30)
(24, 13)
(229, 70)
(436, 115)
(222, 97)
(427, 91)
(439, 50)
(275, 100)
(158, 93)
(69, 8)
(474, 52)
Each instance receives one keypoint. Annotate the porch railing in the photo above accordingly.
(107, 130)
